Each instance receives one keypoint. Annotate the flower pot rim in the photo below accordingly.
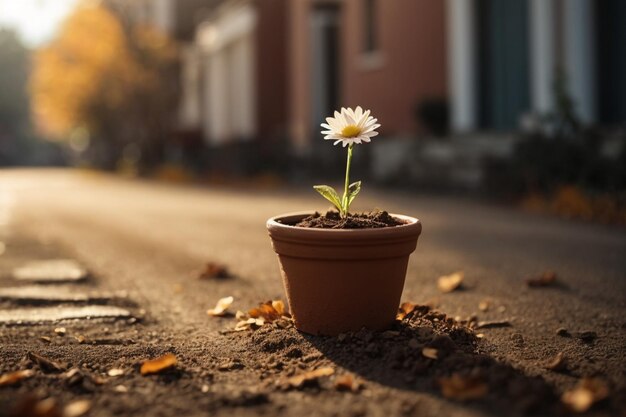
(414, 226)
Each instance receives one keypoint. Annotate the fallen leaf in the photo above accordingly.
(346, 383)
(544, 280)
(463, 388)
(492, 324)
(157, 365)
(115, 372)
(221, 307)
(558, 363)
(585, 394)
(46, 339)
(430, 353)
(405, 309)
(267, 312)
(77, 408)
(15, 377)
(45, 364)
(214, 270)
(279, 306)
(449, 283)
(299, 381)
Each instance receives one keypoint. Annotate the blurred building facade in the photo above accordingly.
(277, 67)
(258, 70)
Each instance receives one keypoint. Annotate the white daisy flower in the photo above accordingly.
(350, 126)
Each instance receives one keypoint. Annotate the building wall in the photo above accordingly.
(299, 74)
(408, 67)
(227, 43)
(272, 83)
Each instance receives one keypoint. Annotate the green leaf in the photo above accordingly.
(329, 194)
(353, 190)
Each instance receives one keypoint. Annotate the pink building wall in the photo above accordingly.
(411, 61)
(410, 65)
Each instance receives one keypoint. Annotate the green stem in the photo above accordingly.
(344, 199)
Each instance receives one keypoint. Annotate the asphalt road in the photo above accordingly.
(150, 239)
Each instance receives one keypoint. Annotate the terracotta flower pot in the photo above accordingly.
(342, 280)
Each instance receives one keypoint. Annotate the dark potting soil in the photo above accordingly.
(332, 220)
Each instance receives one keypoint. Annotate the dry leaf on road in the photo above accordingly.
(544, 280)
(430, 353)
(405, 309)
(270, 310)
(46, 364)
(15, 377)
(299, 380)
(463, 388)
(585, 394)
(157, 365)
(267, 312)
(214, 270)
(449, 283)
(221, 307)
(492, 324)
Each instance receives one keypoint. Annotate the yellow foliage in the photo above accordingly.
(92, 66)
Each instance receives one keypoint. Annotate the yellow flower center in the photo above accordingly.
(351, 131)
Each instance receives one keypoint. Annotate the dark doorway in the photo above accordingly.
(503, 62)
(325, 43)
(611, 70)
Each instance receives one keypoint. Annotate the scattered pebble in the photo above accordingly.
(558, 363)
(346, 383)
(585, 394)
(587, 336)
(77, 408)
(115, 372)
(561, 331)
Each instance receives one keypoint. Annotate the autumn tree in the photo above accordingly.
(110, 83)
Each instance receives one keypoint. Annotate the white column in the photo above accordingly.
(580, 57)
(542, 60)
(462, 64)
(217, 125)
